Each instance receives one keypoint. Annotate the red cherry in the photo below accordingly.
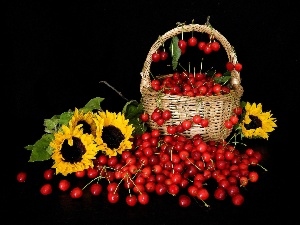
(21, 176)
(234, 119)
(48, 174)
(238, 110)
(184, 201)
(96, 189)
(143, 198)
(192, 41)
(204, 122)
(201, 45)
(166, 114)
(238, 67)
(228, 124)
(131, 200)
(197, 119)
(182, 44)
(76, 192)
(144, 117)
(156, 57)
(237, 199)
(46, 189)
(229, 66)
(64, 185)
(163, 55)
(80, 174)
(186, 124)
(92, 173)
(207, 49)
(113, 197)
(215, 46)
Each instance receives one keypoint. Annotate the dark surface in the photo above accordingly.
(56, 55)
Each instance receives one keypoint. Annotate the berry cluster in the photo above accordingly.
(189, 84)
(166, 164)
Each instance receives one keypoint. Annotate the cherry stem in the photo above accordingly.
(262, 167)
(118, 92)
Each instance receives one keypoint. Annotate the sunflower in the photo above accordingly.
(256, 123)
(114, 136)
(86, 119)
(72, 150)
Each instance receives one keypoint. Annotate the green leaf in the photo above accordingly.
(222, 79)
(139, 127)
(132, 109)
(51, 124)
(175, 52)
(65, 118)
(93, 104)
(40, 149)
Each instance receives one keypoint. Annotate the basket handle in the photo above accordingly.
(235, 75)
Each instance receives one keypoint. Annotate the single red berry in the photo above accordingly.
(234, 119)
(155, 57)
(76, 192)
(64, 185)
(80, 174)
(192, 41)
(113, 197)
(184, 201)
(163, 55)
(229, 66)
(238, 110)
(131, 200)
(48, 174)
(215, 46)
(228, 124)
(182, 44)
(143, 198)
(96, 189)
(144, 117)
(197, 119)
(204, 122)
(238, 67)
(21, 176)
(46, 189)
(237, 199)
(201, 45)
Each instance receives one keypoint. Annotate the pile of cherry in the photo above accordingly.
(166, 164)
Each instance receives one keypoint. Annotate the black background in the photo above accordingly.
(55, 54)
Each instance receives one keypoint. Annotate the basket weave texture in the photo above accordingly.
(216, 109)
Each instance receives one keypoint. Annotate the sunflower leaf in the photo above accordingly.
(39, 148)
(65, 117)
(132, 109)
(175, 52)
(93, 104)
(139, 128)
(51, 124)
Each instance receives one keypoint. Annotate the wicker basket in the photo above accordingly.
(216, 109)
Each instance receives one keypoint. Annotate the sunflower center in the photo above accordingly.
(112, 136)
(73, 154)
(85, 127)
(255, 123)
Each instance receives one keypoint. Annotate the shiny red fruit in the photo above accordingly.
(46, 189)
(155, 57)
(96, 189)
(48, 174)
(184, 201)
(192, 41)
(21, 176)
(64, 185)
(76, 192)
